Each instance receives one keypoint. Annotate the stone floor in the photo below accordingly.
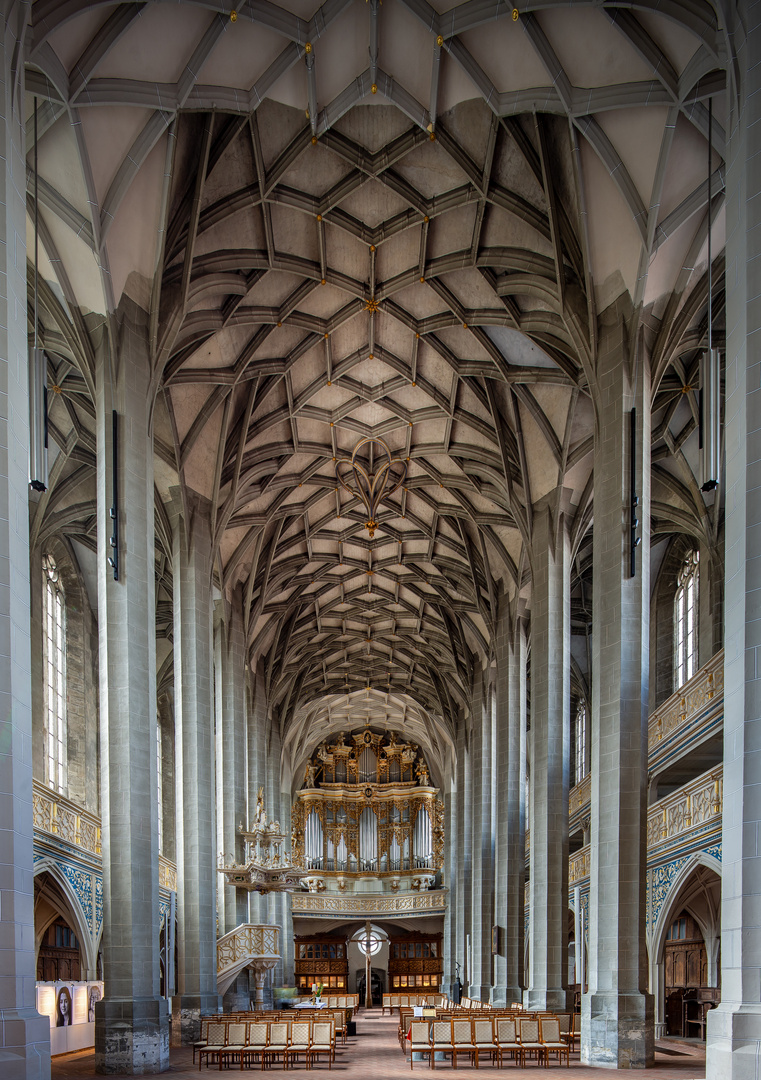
(374, 1054)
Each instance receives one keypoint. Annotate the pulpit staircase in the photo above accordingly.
(249, 945)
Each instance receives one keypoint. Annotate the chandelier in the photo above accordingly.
(267, 866)
(371, 487)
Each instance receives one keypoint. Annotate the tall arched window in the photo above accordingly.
(55, 676)
(686, 621)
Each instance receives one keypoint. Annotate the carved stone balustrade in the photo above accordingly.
(370, 905)
(253, 945)
(690, 716)
(65, 820)
(691, 812)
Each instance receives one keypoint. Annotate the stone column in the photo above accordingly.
(275, 901)
(550, 756)
(734, 1028)
(451, 861)
(257, 771)
(24, 1034)
(464, 840)
(131, 1027)
(510, 696)
(482, 881)
(617, 1013)
(232, 810)
(287, 945)
(194, 750)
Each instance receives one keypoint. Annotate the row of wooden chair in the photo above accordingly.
(242, 1042)
(336, 1001)
(394, 1001)
(503, 1036)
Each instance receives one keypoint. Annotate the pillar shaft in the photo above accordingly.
(617, 1024)
(548, 793)
(510, 700)
(482, 882)
(24, 1035)
(257, 770)
(734, 1028)
(464, 841)
(230, 649)
(194, 748)
(131, 1029)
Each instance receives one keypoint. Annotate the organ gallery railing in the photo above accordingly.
(367, 905)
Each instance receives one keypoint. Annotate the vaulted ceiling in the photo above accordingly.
(394, 221)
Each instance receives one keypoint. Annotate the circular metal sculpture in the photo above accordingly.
(371, 487)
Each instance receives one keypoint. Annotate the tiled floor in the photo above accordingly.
(374, 1054)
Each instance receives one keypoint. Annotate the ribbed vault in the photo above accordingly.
(387, 221)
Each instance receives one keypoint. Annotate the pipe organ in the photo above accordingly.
(367, 807)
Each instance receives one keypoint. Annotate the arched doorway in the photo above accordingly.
(686, 976)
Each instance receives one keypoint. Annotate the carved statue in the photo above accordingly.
(260, 816)
(309, 777)
(421, 772)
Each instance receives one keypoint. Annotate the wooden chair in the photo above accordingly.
(235, 1044)
(549, 1036)
(441, 1040)
(462, 1040)
(258, 1036)
(299, 1042)
(216, 1037)
(528, 1035)
(323, 1042)
(483, 1040)
(277, 1043)
(420, 1040)
(203, 1039)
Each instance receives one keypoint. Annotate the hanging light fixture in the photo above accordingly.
(371, 487)
(710, 375)
(38, 389)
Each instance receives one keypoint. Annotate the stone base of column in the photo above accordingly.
(504, 996)
(555, 1000)
(618, 1031)
(733, 1044)
(479, 993)
(24, 1045)
(131, 1037)
(187, 1010)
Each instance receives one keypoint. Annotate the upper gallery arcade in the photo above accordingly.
(402, 467)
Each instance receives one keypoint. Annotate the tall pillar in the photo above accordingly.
(482, 881)
(24, 1034)
(550, 756)
(275, 901)
(194, 749)
(464, 840)
(617, 1013)
(510, 756)
(131, 1027)
(232, 810)
(734, 1028)
(257, 770)
(451, 861)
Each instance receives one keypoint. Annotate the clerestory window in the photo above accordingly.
(55, 676)
(686, 621)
